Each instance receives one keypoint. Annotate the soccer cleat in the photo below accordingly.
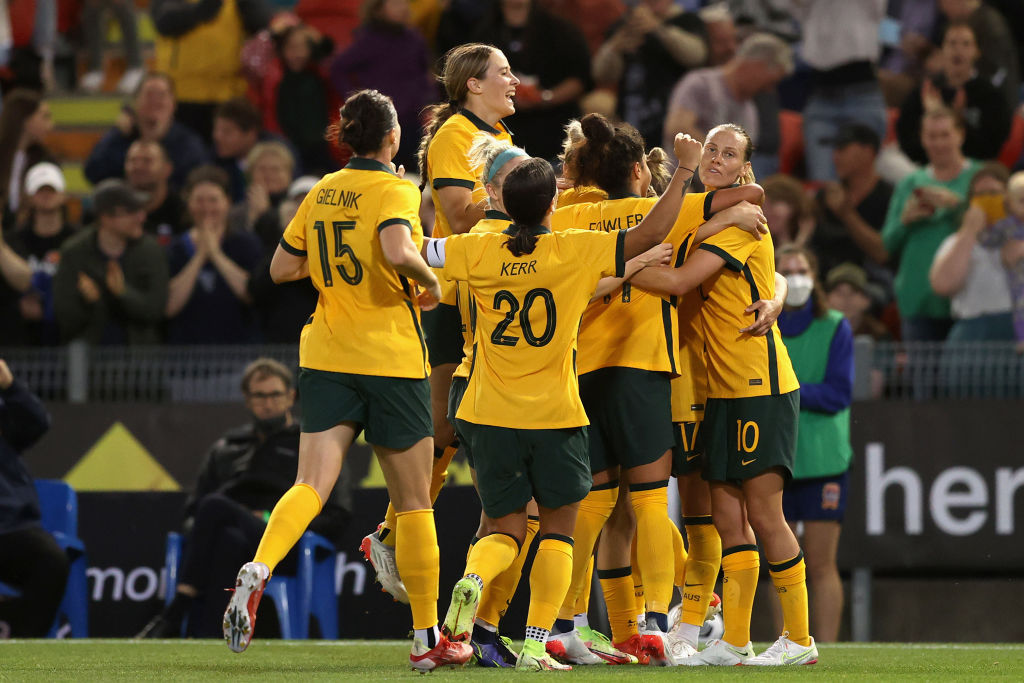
(458, 623)
(784, 652)
(658, 646)
(675, 614)
(240, 616)
(601, 645)
(543, 662)
(721, 653)
(445, 653)
(635, 648)
(496, 655)
(714, 607)
(570, 649)
(382, 557)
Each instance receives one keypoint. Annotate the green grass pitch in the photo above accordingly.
(274, 660)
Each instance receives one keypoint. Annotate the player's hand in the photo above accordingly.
(430, 297)
(688, 151)
(6, 377)
(658, 255)
(767, 312)
(115, 278)
(747, 216)
(88, 288)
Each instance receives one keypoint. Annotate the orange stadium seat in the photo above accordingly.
(791, 141)
(1014, 144)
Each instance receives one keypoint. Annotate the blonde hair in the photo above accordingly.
(661, 174)
(1015, 183)
(747, 177)
(269, 148)
(573, 137)
(484, 150)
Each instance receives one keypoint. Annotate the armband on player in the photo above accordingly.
(435, 252)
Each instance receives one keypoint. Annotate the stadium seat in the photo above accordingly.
(791, 142)
(59, 506)
(1014, 144)
(310, 593)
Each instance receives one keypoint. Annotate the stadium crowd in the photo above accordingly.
(868, 141)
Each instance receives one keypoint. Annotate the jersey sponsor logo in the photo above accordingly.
(332, 196)
(523, 268)
(747, 462)
(691, 457)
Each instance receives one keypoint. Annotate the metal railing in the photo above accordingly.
(208, 374)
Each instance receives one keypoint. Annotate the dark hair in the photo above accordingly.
(207, 173)
(959, 24)
(527, 193)
(820, 306)
(18, 106)
(992, 169)
(266, 367)
(365, 118)
(461, 63)
(155, 76)
(606, 154)
(241, 112)
(945, 113)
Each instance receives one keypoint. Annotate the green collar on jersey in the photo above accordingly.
(364, 164)
(627, 195)
(481, 124)
(533, 229)
(496, 215)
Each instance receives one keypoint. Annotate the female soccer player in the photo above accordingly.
(750, 423)
(480, 86)
(363, 366)
(521, 416)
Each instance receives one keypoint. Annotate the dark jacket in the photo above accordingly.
(23, 421)
(256, 471)
(184, 148)
(132, 318)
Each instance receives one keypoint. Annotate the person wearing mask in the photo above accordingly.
(244, 473)
(30, 559)
(111, 283)
(150, 117)
(820, 344)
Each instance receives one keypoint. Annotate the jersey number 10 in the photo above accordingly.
(353, 277)
(504, 296)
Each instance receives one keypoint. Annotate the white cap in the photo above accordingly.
(44, 174)
(301, 186)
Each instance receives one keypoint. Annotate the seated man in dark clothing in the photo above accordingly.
(244, 474)
(31, 562)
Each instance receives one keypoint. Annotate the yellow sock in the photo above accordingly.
(292, 514)
(653, 530)
(594, 511)
(639, 606)
(740, 565)
(702, 565)
(418, 561)
(679, 555)
(549, 580)
(492, 555)
(438, 474)
(498, 593)
(617, 587)
(790, 579)
(583, 595)
(469, 550)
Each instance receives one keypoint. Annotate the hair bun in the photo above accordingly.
(596, 128)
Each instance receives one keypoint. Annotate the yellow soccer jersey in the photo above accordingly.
(584, 194)
(366, 321)
(631, 328)
(528, 310)
(494, 221)
(690, 389)
(740, 365)
(448, 162)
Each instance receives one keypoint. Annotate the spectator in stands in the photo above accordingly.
(706, 97)
(850, 293)
(241, 478)
(851, 211)
(151, 117)
(388, 55)
(649, 50)
(199, 44)
(30, 37)
(210, 267)
(970, 273)
(773, 16)
(820, 344)
(111, 282)
(25, 122)
(842, 46)
(549, 57)
(94, 30)
(236, 130)
(983, 107)
(924, 210)
(723, 38)
(788, 209)
(999, 58)
(302, 98)
(593, 18)
(283, 308)
(902, 66)
(31, 562)
(269, 168)
(39, 238)
(148, 169)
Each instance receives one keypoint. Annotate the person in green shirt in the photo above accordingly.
(925, 208)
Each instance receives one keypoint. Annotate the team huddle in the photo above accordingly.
(582, 339)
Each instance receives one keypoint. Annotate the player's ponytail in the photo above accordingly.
(364, 120)
(607, 154)
(527, 194)
(570, 151)
(661, 174)
(461, 63)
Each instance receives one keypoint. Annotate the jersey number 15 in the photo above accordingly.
(354, 276)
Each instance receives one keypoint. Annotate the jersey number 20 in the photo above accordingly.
(504, 296)
(353, 277)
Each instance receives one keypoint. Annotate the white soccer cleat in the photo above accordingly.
(677, 649)
(240, 616)
(784, 652)
(721, 653)
(570, 649)
(382, 557)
